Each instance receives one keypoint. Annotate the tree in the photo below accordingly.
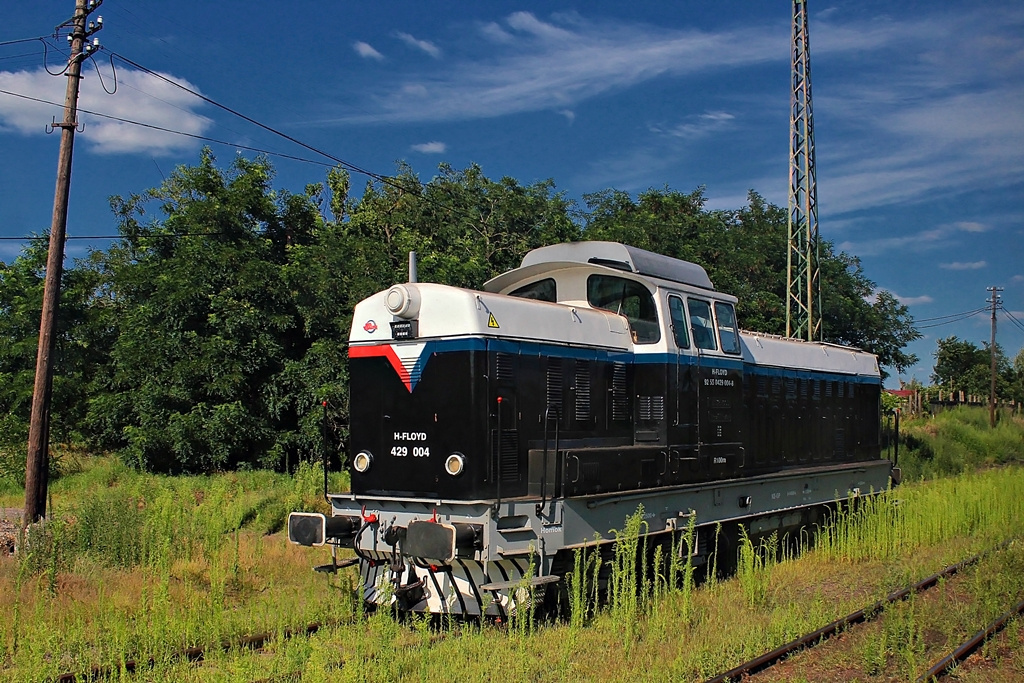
(79, 353)
(1016, 391)
(962, 366)
(206, 323)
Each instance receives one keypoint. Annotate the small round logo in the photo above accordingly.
(370, 326)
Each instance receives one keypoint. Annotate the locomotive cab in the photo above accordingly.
(449, 407)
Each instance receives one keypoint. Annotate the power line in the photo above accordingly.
(32, 238)
(386, 180)
(22, 40)
(383, 179)
(955, 320)
(171, 130)
(951, 315)
(347, 164)
(1011, 318)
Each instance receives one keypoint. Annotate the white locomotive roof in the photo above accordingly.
(612, 254)
(769, 350)
(446, 311)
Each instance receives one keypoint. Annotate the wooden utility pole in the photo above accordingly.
(37, 463)
(992, 354)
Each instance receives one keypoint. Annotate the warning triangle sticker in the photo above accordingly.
(491, 322)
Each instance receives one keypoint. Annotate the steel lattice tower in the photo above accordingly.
(803, 299)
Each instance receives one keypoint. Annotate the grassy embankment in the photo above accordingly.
(138, 567)
(959, 440)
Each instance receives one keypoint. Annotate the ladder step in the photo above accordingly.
(333, 568)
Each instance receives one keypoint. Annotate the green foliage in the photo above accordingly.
(962, 366)
(80, 346)
(890, 402)
(754, 566)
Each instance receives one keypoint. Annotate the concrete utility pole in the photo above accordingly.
(37, 463)
(992, 354)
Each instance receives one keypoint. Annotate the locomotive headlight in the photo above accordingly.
(362, 461)
(454, 464)
(403, 301)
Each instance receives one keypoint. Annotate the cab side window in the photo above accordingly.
(678, 315)
(628, 298)
(727, 327)
(702, 324)
(541, 290)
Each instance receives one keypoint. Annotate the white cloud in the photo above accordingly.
(913, 300)
(938, 237)
(434, 147)
(495, 33)
(959, 265)
(939, 115)
(569, 115)
(541, 65)
(415, 89)
(424, 45)
(697, 126)
(972, 226)
(139, 97)
(366, 51)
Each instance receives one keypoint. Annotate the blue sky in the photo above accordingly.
(919, 114)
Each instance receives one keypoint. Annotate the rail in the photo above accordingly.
(941, 667)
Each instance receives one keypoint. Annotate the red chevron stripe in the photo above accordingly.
(389, 353)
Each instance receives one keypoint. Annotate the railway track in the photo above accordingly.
(964, 650)
(809, 640)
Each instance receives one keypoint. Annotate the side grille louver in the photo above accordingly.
(582, 391)
(509, 455)
(504, 369)
(620, 400)
(652, 407)
(553, 388)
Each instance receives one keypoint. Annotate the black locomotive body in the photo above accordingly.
(493, 432)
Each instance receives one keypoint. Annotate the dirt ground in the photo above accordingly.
(9, 518)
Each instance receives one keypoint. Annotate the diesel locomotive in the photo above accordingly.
(494, 432)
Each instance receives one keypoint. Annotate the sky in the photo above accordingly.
(918, 116)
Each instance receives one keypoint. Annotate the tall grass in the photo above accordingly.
(184, 579)
(184, 554)
(959, 440)
(886, 525)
